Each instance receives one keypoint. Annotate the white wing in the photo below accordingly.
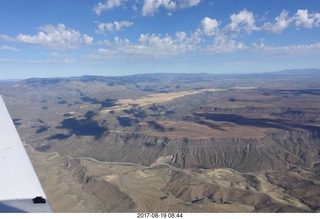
(20, 189)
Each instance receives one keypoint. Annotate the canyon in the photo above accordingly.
(173, 142)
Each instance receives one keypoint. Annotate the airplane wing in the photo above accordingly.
(20, 188)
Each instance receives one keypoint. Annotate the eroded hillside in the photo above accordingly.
(173, 142)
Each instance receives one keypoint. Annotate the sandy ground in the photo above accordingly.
(123, 104)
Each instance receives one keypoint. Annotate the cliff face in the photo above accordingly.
(277, 151)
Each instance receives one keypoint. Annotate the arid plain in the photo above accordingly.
(173, 142)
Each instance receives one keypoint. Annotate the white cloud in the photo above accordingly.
(108, 5)
(316, 17)
(56, 37)
(103, 53)
(209, 26)
(181, 36)
(6, 38)
(150, 46)
(305, 19)
(87, 39)
(113, 27)
(223, 44)
(302, 18)
(162, 46)
(300, 49)
(244, 20)
(149, 7)
(188, 3)
(56, 54)
(152, 6)
(120, 42)
(281, 23)
(209, 38)
(9, 48)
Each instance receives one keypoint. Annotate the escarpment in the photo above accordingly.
(277, 151)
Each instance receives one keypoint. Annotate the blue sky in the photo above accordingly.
(62, 38)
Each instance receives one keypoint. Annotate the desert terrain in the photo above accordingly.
(173, 142)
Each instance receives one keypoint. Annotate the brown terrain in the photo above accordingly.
(173, 142)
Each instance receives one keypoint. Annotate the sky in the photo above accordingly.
(62, 38)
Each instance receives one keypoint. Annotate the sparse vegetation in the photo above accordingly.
(160, 143)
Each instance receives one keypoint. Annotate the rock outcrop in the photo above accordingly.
(278, 151)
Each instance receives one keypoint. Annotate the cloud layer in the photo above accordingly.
(211, 36)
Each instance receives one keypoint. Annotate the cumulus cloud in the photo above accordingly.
(108, 5)
(113, 27)
(305, 19)
(244, 20)
(163, 46)
(302, 18)
(152, 6)
(281, 23)
(188, 3)
(316, 17)
(181, 36)
(54, 37)
(209, 26)
(87, 39)
(150, 45)
(9, 48)
(211, 36)
(223, 44)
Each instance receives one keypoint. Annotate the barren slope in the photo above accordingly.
(196, 143)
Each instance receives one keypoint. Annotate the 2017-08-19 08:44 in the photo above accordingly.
(159, 215)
